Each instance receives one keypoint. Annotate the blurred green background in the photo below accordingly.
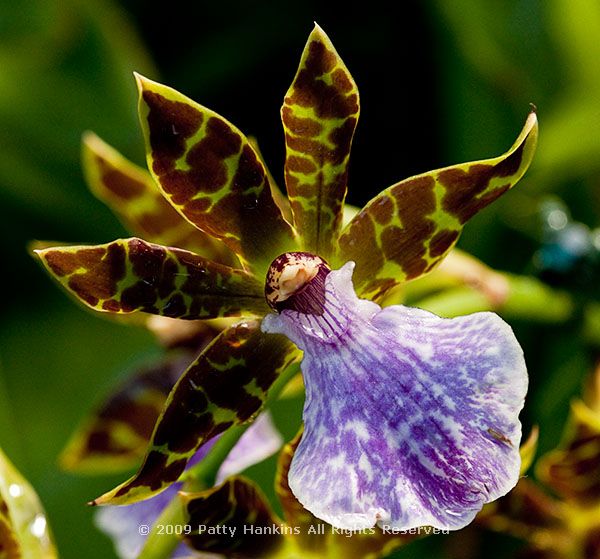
(440, 81)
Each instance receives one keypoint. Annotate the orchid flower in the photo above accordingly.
(409, 419)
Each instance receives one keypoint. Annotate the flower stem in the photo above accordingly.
(161, 545)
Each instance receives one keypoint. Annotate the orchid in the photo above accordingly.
(409, 419)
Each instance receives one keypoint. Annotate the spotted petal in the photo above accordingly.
(122, 524)
(24, 530)
(319, 114)
(133, 196)
(211, 174)
(116, 435)
(406, 230)
(410, 419)
(225, 386)
(233, 507)
(132, 275)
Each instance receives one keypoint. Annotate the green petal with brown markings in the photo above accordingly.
(233, 506)
(211, 174)
(24, 531)
(573, 470)
(132, 275)
(135, 198)
(405, 231)
(225, 386)
(319, 115)
(116, 435)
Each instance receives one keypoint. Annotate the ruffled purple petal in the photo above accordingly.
(121, 523)
(410, 419)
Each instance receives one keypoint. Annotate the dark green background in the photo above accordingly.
(440, 82)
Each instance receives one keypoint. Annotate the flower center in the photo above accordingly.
(296, 281)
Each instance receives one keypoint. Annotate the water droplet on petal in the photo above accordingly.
(250, 203)
(15, 490)
(242, 328)
(38, 526)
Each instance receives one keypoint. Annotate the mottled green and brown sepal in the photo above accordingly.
(233, 507)
(130, 275)
(116, 436)
(319, 115)
(225, 386)
(135, 198)
(211, 175)
(24, 531)
(407, 229)
(573, 469)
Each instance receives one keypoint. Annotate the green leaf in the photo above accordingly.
(225, 386)
(24, 530)
(132, 275)
(406, 230)
(134, 197)
(211, 174)
(232, 507)
(319, 115)
(116, 435)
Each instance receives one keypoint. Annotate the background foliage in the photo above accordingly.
(441, 82)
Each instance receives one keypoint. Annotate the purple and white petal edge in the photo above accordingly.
(410, 419)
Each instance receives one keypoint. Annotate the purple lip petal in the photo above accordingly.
(410, 419)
